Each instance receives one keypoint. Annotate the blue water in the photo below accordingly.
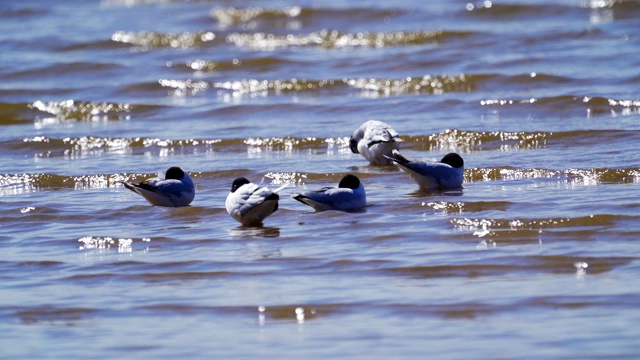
(535, 258)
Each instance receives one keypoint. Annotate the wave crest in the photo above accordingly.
(331, 39)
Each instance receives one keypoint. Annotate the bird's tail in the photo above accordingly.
(280, 188)
(276, 190)
(129, 186)
(397, 157)
(393, 136)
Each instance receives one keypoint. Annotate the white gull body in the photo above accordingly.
(375, 140)
(250, 204)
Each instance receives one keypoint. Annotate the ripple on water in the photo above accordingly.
(296, 16)
(58, 112)
(509, 266)
(568, 176)
(232, 16)
(588, 105)
(450, 139)
(548, 223)
(366, 87)
(148, 40)
(23, 183)
(447, 140)
(458, 207)
(331, 39)
(54, 315)
(262, 64)
(264, 92)
(499, 232)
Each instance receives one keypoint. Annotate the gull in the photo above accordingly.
(374, 139)
(174, 188)
(446, 173)
(250, 204)
(349, 195)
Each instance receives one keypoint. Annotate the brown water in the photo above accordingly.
(537, 257)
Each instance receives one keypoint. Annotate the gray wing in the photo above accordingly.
(172, 187)
(252, 196)
(333, 197)
(150, 185)
(321, 195)
(379, 132)
(436, 170)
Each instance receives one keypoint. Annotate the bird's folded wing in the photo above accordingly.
(436, 170)
(171, 187)
(144, 186)
(378, 134)
(255, 197)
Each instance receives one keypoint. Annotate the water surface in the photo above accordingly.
(537, 257)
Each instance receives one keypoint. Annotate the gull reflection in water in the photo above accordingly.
(252, 231)
(436, 192)
(300, 315)
(581, 269)
(261, 316)
(601, 11)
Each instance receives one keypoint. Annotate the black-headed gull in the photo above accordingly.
(374, 139)
(349, 195)
(249, 203)
(446, 173)
(174, 188)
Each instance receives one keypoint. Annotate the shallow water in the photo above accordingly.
(537, 257)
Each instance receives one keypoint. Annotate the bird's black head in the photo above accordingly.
(175, 173)
(453, 159)
(353, 145)
(237, 183)
(349, 181)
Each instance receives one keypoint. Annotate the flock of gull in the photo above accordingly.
(250, 203)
